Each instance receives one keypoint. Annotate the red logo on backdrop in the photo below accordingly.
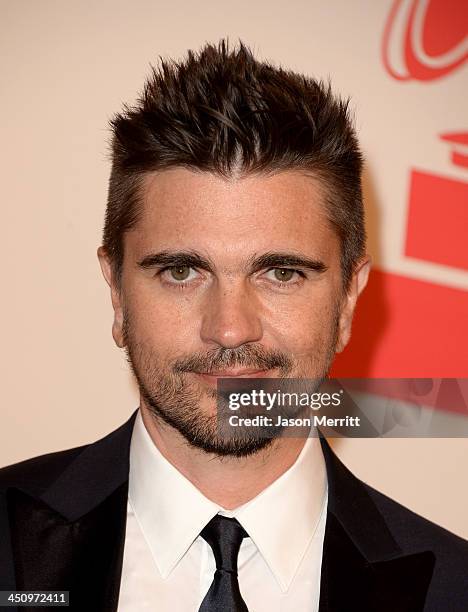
(437, 222)
(425, 39)
(405, 326)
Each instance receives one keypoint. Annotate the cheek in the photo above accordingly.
(165, 328)
(304, 328)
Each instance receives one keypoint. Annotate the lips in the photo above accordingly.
(212, 377)
(234, 373)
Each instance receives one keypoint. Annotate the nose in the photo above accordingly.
(231, 317)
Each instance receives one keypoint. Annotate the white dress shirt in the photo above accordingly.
(167, 565)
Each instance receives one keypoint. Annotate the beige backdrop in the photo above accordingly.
(66, 67)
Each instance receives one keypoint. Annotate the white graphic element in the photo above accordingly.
(395, 44)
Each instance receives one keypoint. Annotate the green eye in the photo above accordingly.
(283, 274)
(180, 273)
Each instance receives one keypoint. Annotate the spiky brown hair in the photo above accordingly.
(222, 111)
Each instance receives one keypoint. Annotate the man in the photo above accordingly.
(234, 247)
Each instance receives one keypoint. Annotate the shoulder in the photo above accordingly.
(410, 528)
(38, 473)
(100, 464)
(414, 533)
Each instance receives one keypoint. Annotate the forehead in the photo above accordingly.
(189, 209)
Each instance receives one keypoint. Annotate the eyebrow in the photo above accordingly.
(193, 259)
(282, 260)
(175, 258)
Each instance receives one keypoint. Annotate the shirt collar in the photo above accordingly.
(282, 520)
(171, 511)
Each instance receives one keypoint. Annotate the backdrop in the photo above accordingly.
(66, 67)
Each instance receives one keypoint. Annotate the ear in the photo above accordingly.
(106, 267)
(357, 284)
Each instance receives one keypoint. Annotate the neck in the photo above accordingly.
(227, 481)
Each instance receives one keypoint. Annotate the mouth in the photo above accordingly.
(212, 377)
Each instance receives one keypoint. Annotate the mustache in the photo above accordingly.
(248, 356)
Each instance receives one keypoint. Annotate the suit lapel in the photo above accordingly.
(83, 556)
(71, 536)
(363, 567)
(350, 582)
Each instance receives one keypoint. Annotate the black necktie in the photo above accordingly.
(224, 535)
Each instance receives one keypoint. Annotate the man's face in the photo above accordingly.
(237, 277)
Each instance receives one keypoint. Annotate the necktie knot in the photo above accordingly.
(224, 535)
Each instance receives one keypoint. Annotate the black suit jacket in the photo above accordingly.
(63, 519)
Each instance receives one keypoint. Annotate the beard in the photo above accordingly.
(175, 400)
